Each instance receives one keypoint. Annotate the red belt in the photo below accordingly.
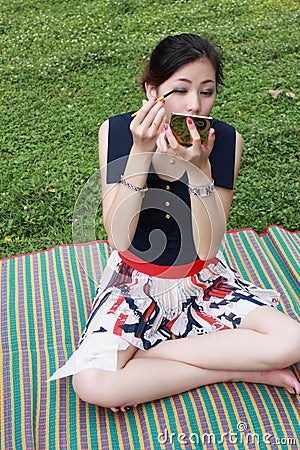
(155, 270)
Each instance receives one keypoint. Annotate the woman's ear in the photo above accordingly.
(151, 91)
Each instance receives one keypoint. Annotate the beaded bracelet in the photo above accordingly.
(134, 188)
(202, 191)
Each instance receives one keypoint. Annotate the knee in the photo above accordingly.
(286, 347)
(97, 387)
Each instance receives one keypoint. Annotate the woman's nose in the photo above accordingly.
(193, 105)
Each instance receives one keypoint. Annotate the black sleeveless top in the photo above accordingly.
(164, 231)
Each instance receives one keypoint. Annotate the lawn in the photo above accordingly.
(68, 65)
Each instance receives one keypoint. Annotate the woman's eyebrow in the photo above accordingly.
(190, 81)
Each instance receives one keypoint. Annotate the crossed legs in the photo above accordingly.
(258, 351)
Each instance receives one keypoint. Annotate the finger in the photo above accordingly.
(158, 120)
(173, 143)
(208, 145)
(147, 112)
(155, 116)
(162, 145)
(146, 106)
(211, 137)
(151, 122)
(193, 130)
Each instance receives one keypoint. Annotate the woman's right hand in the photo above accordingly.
(147, 125)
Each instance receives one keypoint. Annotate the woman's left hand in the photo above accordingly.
(197, 154)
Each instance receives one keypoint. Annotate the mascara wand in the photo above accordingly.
(159, 99)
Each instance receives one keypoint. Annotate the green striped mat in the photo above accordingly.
(45, 300)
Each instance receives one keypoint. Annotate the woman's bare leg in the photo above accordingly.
(144, 377)
(143, 380)
(266, 340)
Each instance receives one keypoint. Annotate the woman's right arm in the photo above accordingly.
(121, 205)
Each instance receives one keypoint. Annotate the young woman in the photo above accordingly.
(169, 315)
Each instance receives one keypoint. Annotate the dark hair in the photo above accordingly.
(175, 51)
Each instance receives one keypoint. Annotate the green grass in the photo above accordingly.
(68, 65)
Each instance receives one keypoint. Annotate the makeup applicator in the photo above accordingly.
(157, 100)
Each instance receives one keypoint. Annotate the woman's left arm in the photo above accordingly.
(209, 213)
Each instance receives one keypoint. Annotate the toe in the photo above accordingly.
(114, 409)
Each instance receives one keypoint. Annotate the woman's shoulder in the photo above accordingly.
(123, 119)
(221, 126)
(119, 142)
(223, 154)
(225, 135)
(225, 130)
(118, 130)
(117, 120)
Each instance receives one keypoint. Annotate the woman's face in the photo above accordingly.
(196, 83)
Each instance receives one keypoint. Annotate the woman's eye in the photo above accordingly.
(180, 90)
(207, 92)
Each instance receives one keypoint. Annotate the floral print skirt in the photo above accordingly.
(131, 307)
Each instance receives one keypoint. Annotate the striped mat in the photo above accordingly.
(45, 300)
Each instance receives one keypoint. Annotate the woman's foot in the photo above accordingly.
(281, 378)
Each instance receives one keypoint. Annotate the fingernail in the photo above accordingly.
(212, 130)
(154, 99)
(163, 100)
(164, 128)
(189, 121)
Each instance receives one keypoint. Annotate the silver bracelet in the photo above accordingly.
(134, 188)
(202, 191)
